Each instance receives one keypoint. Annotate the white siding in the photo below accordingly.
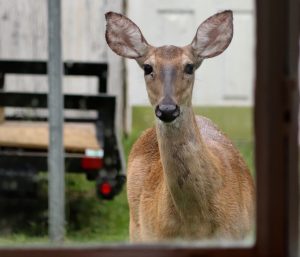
(225, 80)
(23, 30)
(24, 24)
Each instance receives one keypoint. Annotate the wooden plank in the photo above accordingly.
(159, 250)
(34, 135)
(24, 24)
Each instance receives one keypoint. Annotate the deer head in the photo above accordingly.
(169, 70)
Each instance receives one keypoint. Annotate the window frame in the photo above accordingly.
(276, 129)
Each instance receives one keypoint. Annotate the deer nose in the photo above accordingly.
(167, 112)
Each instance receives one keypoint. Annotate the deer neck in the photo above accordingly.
(187, 166)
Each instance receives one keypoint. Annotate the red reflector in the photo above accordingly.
(105, 188)
(90, 163)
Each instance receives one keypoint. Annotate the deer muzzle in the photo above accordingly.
(167, 112)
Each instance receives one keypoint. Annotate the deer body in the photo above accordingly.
(186, 180)
(188, 184)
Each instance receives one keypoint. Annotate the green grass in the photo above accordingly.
(236, 122)
(88, 219)
(92, 220)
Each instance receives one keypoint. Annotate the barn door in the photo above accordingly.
(224, 80)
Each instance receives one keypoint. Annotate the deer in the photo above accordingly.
(185, 178)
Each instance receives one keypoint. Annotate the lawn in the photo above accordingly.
(92, 220)
(236, 122)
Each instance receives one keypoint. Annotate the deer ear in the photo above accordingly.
(124, 37)
(213, 35)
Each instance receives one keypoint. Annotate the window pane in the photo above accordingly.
(223, 92)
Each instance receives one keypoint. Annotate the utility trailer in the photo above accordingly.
(91, 144)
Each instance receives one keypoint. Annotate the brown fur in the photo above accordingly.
(153, 215)
(185, 178)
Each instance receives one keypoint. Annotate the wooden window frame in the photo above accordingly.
(276, 129)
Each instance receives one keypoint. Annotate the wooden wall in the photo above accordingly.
(23, 30)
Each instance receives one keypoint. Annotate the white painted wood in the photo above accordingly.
(116, 73)
(24, 24)
(225, 80)
(238, 72)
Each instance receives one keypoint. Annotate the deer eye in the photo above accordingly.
(189, 69)
(147, 69)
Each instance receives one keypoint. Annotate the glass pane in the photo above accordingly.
(97, 209)
(223, 92)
